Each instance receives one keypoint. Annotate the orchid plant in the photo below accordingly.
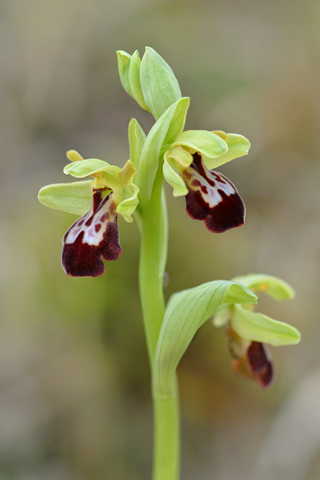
(187, 160)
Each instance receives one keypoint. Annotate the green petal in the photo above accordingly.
(172, 176)
(126, 173)
(129, 202)
(137, 138)
(261, 328)
(185, 313)
(202, 141)
(72, 198)
(272, 286)
(180, 155)
(159, 85)
(74, 156)
(90, 166)
(238, 146)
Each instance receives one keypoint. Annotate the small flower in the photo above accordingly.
(210, 196)
(95, 235)
(248, 331)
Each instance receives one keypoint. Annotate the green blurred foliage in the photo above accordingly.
(74, 378)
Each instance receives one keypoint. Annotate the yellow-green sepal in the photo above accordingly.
(202, 141)
(72, 198)
(258, 327)
(237, 146)
(272, 286)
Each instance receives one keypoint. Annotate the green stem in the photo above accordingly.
(166, 437)
(153, 254)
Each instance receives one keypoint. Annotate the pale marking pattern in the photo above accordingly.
(210, 193)
(94, 231)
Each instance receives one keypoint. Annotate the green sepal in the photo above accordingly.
(129, 72)
(261, 328)
(88, 167)
(129, 203)
(238, 146)
(272, 286)
(186, 312)
(137, 138)
(75, 198)
(124, 60)
(159, 85)
(171, 123)
(207, 143)
(172, 176)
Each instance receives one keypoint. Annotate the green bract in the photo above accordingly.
(185, 313)
(159, 85)
(169, 125)
(137, 138)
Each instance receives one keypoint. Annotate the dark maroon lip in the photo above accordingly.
(212, 198)
(91, 239)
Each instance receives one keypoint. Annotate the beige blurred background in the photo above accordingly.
(74, 379)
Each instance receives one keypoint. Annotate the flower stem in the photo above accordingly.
(166, 437)
(153, 255)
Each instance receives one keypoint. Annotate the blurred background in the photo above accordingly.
(74, 377)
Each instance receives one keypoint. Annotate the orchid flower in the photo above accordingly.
(210, 196)
(95, 235)
(249, 331)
